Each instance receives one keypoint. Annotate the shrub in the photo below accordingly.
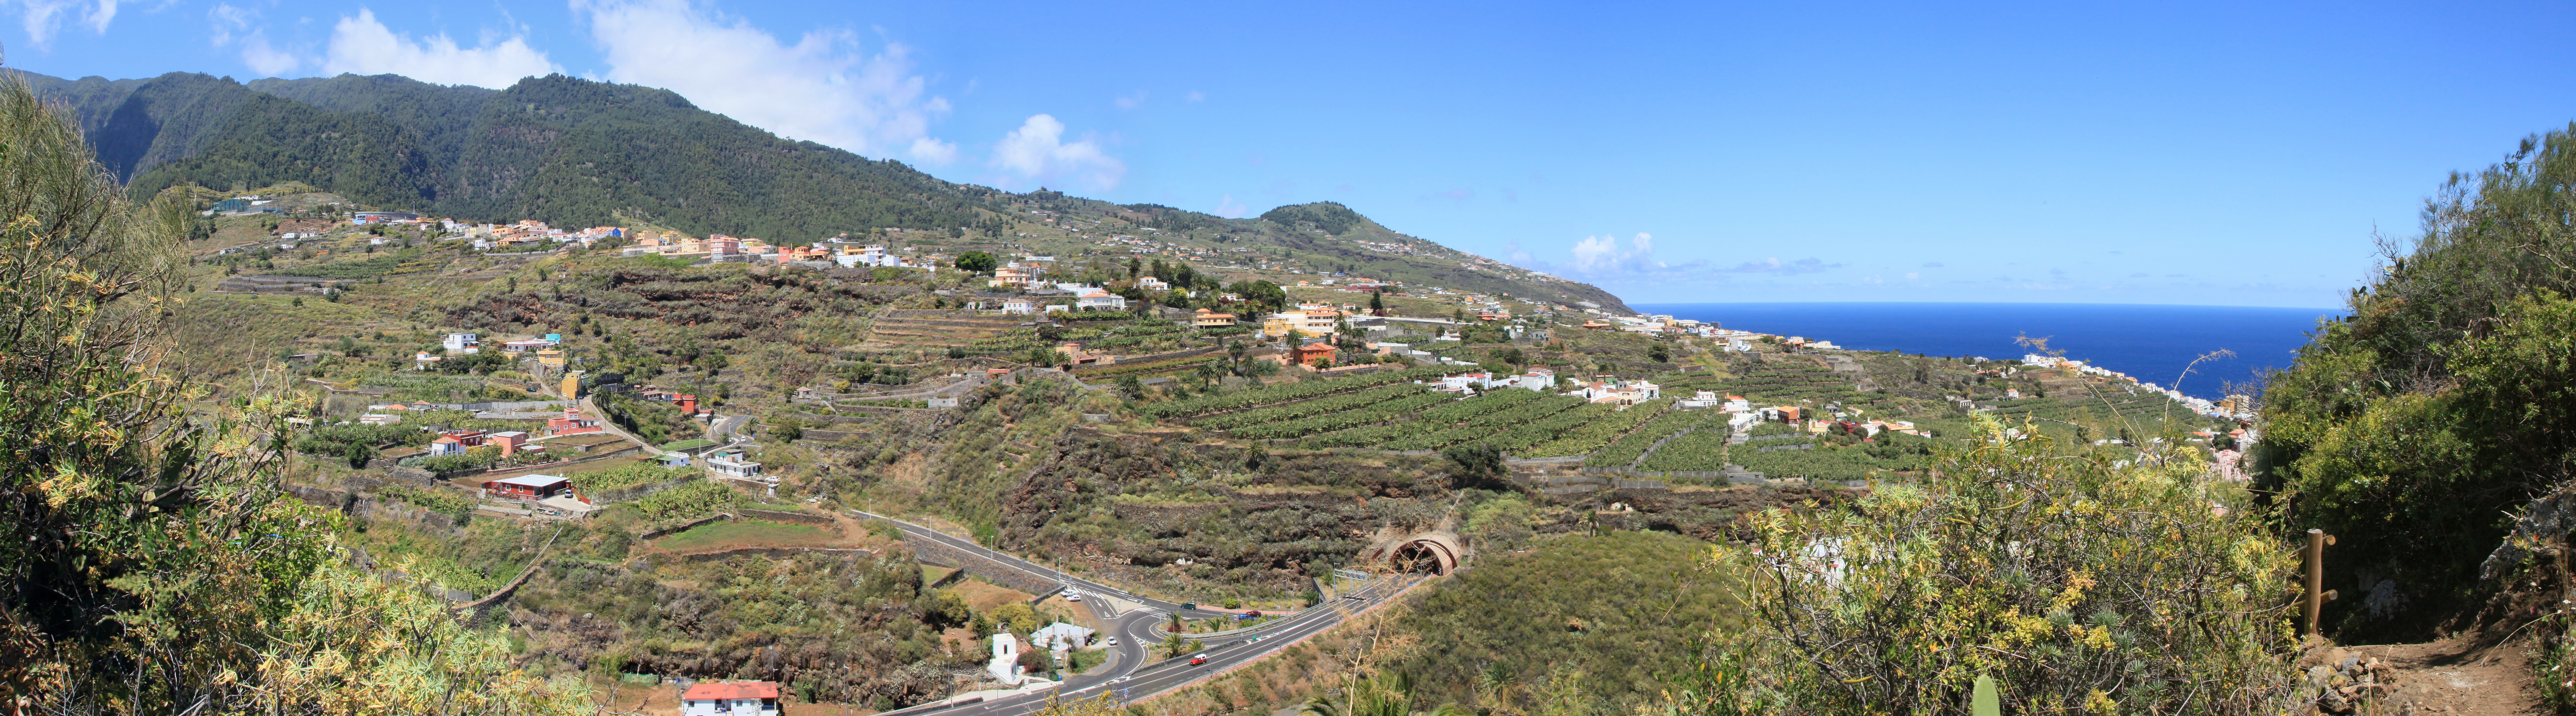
(2081, 588)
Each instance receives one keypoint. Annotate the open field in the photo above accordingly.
(737, 534)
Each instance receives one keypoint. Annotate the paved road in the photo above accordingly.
(1132, 675)
(1042, 571)
(729, 427)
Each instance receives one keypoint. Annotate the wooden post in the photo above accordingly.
(2317, 595)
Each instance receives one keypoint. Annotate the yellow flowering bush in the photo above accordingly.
(2083, 588)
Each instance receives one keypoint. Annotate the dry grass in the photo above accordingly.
(983, 596)
(746, 533)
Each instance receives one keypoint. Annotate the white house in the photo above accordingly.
(1537, 379)
(1152, 284)
(732, 464)
(735, 698)
(463, 343)
(1466, 380)
(1061, 636)
(1098, 300)
(1019, 306)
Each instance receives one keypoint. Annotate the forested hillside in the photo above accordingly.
(576, 153)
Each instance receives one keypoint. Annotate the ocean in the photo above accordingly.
(2151, 343)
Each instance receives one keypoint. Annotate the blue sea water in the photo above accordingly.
(2151, 343)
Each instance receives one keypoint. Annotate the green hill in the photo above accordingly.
(573, 152)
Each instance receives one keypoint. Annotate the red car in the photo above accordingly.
(1197, 659)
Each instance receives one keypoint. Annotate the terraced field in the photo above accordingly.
(1389, 411)
(916, 328)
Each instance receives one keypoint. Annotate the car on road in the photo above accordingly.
(1197, 659)
(1072, 596)
(1187, 606)
(1113, 641)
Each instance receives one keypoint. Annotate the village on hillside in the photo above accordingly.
(682, 396)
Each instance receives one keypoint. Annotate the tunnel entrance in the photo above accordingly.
(1423, 556)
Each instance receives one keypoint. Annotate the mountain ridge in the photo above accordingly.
(575, 152)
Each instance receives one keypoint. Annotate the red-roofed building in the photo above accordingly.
(1309, 353)
(510, 442)
(531, 487)
(454, 442)
(735, 698)
(572, 424)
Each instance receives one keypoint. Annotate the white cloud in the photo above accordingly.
(42, 18)
(1130, 101)
(362, 45)
(226, 21)
(1602, 255)
(1231, 209)
(267, 60)
(1037, 152)
(821, 88)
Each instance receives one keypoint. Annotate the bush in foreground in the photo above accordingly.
(2079, 587)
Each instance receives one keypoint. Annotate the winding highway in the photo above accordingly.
(1131, 674)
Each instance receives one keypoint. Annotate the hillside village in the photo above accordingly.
(683, 396)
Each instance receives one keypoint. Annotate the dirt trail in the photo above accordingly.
(2451, 676)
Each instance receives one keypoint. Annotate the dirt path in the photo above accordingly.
(2452, 676)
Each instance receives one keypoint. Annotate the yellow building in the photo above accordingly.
(572, 384)
(552, 357)
(1278, 324)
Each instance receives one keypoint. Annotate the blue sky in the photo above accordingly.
(2219, 153)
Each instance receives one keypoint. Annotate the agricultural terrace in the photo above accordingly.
(1388, 410)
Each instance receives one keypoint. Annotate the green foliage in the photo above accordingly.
(435, 501)
(352, 270)
(687, 502)
(2084, 587)
(148, 562)
(574, 152)
(1614, 613)
(1474, 464)
(976, 262)
(635, 475)
(1596, 434)
(716, 616)
(337, 440)
(1702, 449)
(2415, 427)
(1311, 408)
(1626, 450)
(1283, 392)
(1334, 218)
